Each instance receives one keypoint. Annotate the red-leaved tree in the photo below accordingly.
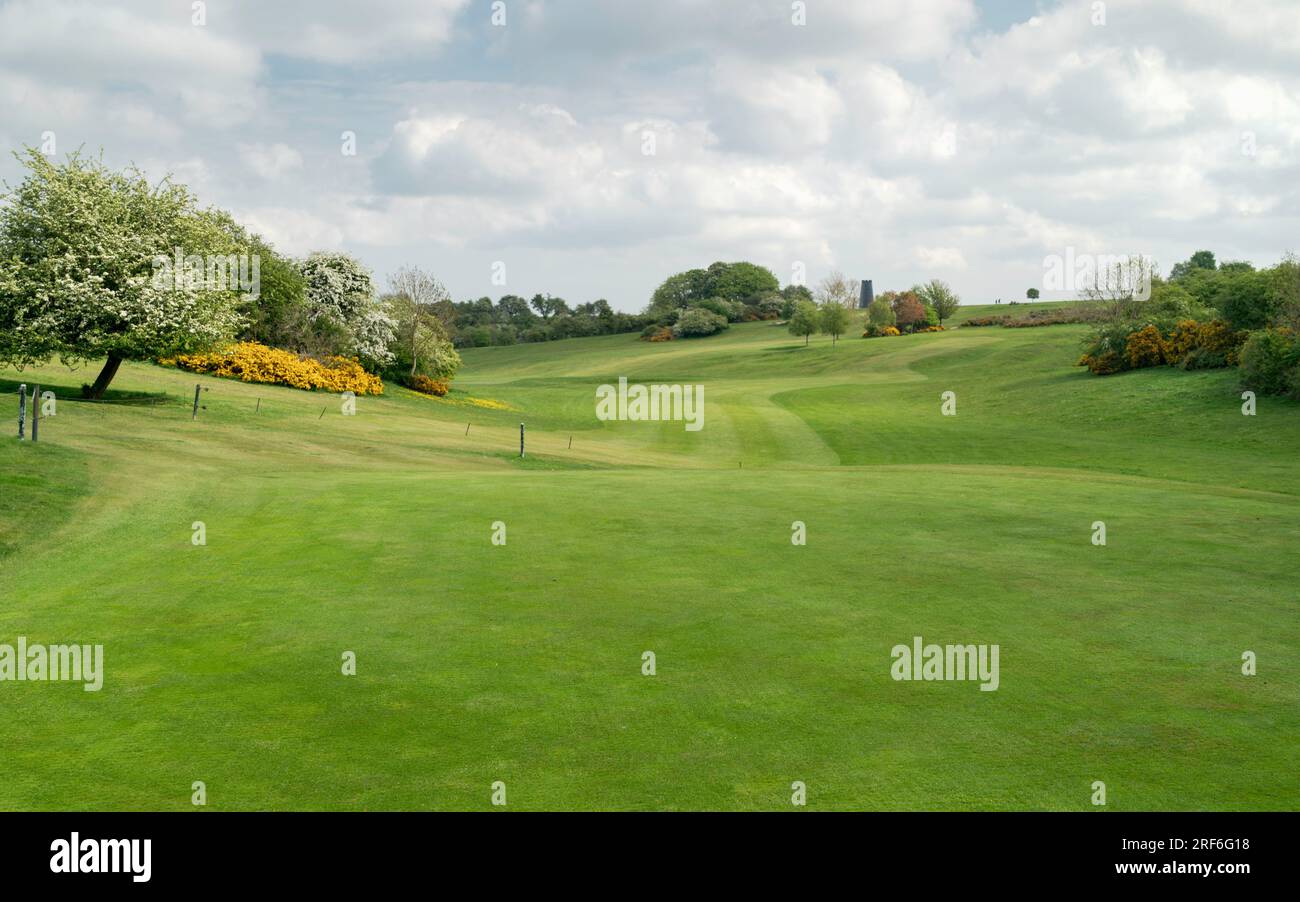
(908, 311)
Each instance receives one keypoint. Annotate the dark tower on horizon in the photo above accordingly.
(866, 296)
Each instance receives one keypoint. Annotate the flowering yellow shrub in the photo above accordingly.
(1217, 337)
(1145, 347)
(252, 362)
(1103, 364)
(426, 386)
(1184, 339)
(1189, 344)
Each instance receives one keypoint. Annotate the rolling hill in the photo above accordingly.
(522, 662)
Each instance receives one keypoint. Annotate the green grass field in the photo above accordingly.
(522, 663)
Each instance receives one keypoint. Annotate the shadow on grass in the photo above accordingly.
(789, 349)
(72, 393)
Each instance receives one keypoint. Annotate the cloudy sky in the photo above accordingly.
(595, 147)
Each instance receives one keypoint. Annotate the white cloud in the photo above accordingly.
(940, 258)
(762, 107)
(369, 32)
(896, 139)
(293, 231)
(270, 161)
(152, 47)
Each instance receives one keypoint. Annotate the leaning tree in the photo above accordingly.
(82, 272)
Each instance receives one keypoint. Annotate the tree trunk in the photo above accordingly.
(415, 340)
(105, 376)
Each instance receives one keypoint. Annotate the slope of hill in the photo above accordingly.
(522, 662)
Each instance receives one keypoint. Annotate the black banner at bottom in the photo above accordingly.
(215, 850)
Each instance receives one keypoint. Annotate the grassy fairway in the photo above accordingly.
(522, 663)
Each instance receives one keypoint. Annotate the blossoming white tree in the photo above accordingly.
(341, 299)
(78, 244)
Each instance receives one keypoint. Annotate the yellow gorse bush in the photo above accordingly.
(1188, 344)
(252, 362)
(1145, 347)
(1185, 338)
(1218, 336)
(426, 386)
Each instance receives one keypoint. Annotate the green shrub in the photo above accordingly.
(770, 307)
(696, 322)
(1246, 300)
(1203, 359)
(1270, 361)
(880, 314)
(1171, 301)
(731, 311)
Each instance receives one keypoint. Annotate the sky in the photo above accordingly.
(590, 149)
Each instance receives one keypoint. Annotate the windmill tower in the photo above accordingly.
(866, 296)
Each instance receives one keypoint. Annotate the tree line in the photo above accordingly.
(82, 246)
